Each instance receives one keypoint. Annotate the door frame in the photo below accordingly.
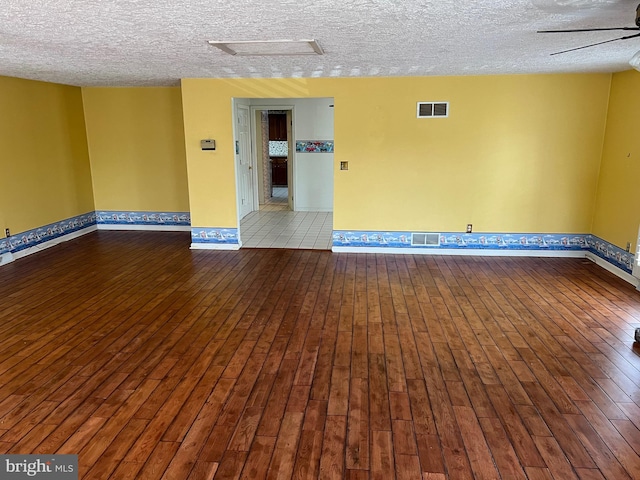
(292, 149)
(238, 178)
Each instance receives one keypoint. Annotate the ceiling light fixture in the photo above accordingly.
(269, 47)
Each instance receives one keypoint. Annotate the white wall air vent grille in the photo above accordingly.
(425, 239)
(433, 109)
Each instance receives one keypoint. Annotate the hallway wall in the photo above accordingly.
(313, 172)
(516, 154)
(617, 213)
(45, 176)
(136, 145)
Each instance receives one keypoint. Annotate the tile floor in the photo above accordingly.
(275, 226)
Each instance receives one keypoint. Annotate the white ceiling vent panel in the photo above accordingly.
(425, 239)
(433, 109)
(269, 47)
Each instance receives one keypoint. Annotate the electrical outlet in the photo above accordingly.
(7, 232)
(469, 228)
(344, 165)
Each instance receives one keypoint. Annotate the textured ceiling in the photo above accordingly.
(157, 42)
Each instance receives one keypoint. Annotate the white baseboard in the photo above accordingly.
(215, 246)
(627, 277)
(53, 243)
(148, 228)
(313, 209)
(480, 252)
(6, 258)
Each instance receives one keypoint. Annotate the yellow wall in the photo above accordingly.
(136, 145)
(517, 154)
(617, 213)
(44, 165)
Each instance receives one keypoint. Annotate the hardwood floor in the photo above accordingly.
(151, 361)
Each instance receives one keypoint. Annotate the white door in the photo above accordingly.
(243, 161)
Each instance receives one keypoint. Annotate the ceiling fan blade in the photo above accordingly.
(562, 6)
(599, 43)
(588, 30)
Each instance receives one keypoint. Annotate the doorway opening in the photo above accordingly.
(292, 170)
(276, 128)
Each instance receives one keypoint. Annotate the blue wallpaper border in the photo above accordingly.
(341, 238)
(36, 236)
(220, 236)
(314, 146)
(611, 253)
(117, 217)
(492, 241)
(452, 240)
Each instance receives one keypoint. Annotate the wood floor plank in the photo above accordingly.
(614, 441)
(433, 476)
(203, 471)
(564, 435)
(630, 433)
(115, 452)
(501, 449)
(284, 454)
(430, 454)
(332, 458)
(536, 473)
(403, 437)
(259, 458)
(482, 462)
(420, 405)
(382, 462)
(380, 415)
(31, 440)
(408, 467)
(554, 458)
(602, 456)
(230, 466)
(357, 475)
(151, 360)
(116, 423)
(589, 474)
(521, 440)
(357, 447)
(307, 463)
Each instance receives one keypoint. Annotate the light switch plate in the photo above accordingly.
(208, 144)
